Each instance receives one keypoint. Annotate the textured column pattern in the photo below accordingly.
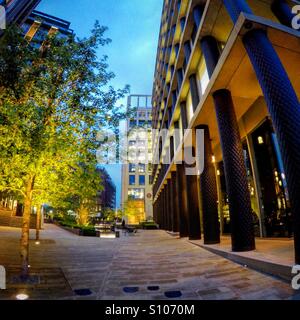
(165, 209)
(209, 194)
(283, 12)
(193, 203)
(283, 106)
(183, 114)
(174, 200)
(210, 49)
(170, 207)
(242, 231)
(182, 200)
(197, 14)
(235, 7)
(194, 91)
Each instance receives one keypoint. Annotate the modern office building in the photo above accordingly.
(231, 69)
(38, 25)
(137, 169)
(17, 11)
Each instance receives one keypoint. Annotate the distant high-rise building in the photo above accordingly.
(137, 173)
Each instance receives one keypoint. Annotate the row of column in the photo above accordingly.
(179, 198)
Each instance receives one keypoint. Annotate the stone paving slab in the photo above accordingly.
(65, 262)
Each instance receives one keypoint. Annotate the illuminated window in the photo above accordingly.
(131, 143)
(142, 168)
(136, 194)
(132, 167)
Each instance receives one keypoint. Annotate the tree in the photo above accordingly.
(53, 102)
(131, 211)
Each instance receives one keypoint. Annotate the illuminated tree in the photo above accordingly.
(53, 102)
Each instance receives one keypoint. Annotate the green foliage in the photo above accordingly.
(53, 102)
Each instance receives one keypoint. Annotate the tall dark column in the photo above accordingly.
(158, 211)
(235, 7)
(174, 201)
(283, 12)
(209, 194)
(187, 51)
(165, 209)
(182, 200)
(183, 114)
(193, 203)
(197, 14)
(242, 231)
(283, 106)
(162, 210)
(211, 52)
(154, 212)
(170, 207)
(194, 91)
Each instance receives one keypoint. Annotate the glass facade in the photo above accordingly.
(142, 180)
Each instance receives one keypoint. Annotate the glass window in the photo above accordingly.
(132, 123)
(150, 179)
(132, 167)
(142, 180)
(142, 168)
(141, 143)
(142, 123)
(131, 180)
(136, 194)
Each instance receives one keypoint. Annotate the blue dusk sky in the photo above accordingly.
(133, 27)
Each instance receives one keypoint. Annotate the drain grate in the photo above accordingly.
(153, 288)
(131, 289)
(173, 294)
(83, 292)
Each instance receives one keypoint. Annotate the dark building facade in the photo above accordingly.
(106, 198)
(17, 11)
(228, 68)
(39, 25)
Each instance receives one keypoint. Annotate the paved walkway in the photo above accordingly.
(279, 250)
(144, 266)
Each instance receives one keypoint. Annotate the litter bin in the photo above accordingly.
(117, 234)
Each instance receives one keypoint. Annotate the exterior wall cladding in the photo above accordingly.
(17, 11)
(228, 68)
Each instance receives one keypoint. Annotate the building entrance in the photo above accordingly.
(276, 218)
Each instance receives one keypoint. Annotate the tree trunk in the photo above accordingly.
(25, 228)
(83, 215)
(38, 223)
